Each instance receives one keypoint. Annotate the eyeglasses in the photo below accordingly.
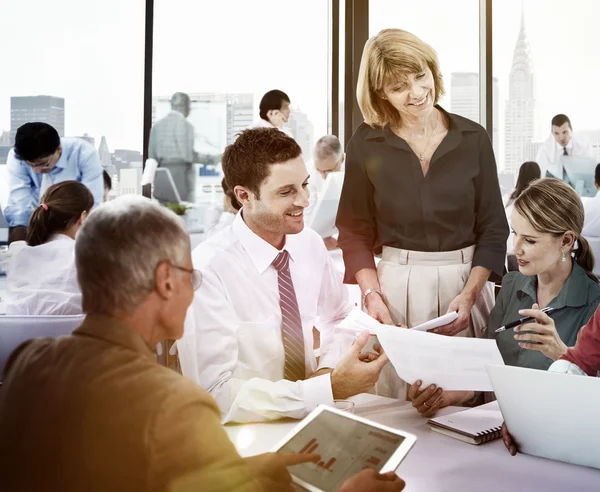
(195, 275)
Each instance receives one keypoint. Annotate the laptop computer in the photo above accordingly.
(164, 189)
(550, 415)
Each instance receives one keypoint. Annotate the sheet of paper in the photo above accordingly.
(452, 363)
(358, 321)
(437, 322)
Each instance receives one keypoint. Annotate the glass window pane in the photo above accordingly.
(88, 56)
(545, 63)
(226, 56)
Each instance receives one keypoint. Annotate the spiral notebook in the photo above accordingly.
(475, 426)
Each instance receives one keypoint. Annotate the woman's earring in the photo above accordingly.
(564, 257)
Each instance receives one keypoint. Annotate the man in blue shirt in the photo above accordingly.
(39, 159)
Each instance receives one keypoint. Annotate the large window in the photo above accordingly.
(87, 58)
(452, 29)
(226, 56)
(546, 63)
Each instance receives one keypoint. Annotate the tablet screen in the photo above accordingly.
(346, 447)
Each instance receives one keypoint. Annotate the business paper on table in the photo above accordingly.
(358, 321)
(452, 363)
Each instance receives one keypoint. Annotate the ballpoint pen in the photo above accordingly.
(526, 319)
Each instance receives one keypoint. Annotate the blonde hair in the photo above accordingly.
(389, 57)
(553, 207)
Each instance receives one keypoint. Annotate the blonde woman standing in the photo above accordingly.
(421, 185)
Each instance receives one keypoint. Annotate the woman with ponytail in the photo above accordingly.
(555, 271)
(41, 275)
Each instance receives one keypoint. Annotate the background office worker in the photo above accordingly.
(41, 275)
(422, 184)
(561, 142)
(172, 145)
(274, 111)
(39, 159)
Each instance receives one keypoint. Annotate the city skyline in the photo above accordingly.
(103, 89)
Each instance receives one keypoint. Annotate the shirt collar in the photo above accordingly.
(177, 113)
(62, 160)
(560, 147)
(115, 332)
(573, 294)
(60, 237)
(260, 251)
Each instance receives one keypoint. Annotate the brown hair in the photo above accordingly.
(389, 57)
(60, 208)
(247, 161)
(553, 207)
(231, 195)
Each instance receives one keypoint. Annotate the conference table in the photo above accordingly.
(439, 463)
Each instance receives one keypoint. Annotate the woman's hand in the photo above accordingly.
(545, 339)
(377, 308)
(463, 304)
(431, 399)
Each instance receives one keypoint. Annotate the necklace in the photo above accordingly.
(421, 156)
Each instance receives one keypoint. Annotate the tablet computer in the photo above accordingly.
(347, 444)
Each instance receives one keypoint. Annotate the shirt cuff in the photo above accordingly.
(317, 391)
(492, 260)
(21, 220)
(566, 367)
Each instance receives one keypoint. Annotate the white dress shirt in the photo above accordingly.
(315, 187)
(42, 280)
(548, 157)
(591, 228)
(267, 124)
(232, 344)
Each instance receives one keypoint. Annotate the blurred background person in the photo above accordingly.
(560, 142)
(555, 270)
(328, 157)
(172, 145)
(274, 111)
(591, 226)
(224, 214)
(421, 184)
(39, 159)
(528, 172)
(41, 275)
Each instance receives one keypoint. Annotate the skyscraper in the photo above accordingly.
(520, 105)
(464, 100)
(45, 109)
(303, 131)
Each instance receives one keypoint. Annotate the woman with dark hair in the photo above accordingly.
(41, 275)
(528, 172)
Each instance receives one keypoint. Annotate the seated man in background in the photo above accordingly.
(94, 411)
(40, 159)
(249, 333)
(41, 274)
(274, 111)
(328, 157)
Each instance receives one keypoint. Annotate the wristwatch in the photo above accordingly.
(367, 292)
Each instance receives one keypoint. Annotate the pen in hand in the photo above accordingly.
(526, 319)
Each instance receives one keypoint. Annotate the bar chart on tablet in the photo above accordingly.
(345, 446)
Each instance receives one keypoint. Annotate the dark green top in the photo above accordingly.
(578, 299)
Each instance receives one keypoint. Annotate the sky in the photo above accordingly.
(91, 52)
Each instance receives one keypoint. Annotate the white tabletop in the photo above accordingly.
(437, 462)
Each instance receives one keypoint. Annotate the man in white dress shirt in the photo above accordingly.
(328, 157)
(249, 332)
(561, 142)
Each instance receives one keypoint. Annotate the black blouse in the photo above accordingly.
(386, 200)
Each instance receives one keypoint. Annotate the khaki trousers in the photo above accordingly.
(418, 287)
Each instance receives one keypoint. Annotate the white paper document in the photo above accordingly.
(358, 321)
(452, 363)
